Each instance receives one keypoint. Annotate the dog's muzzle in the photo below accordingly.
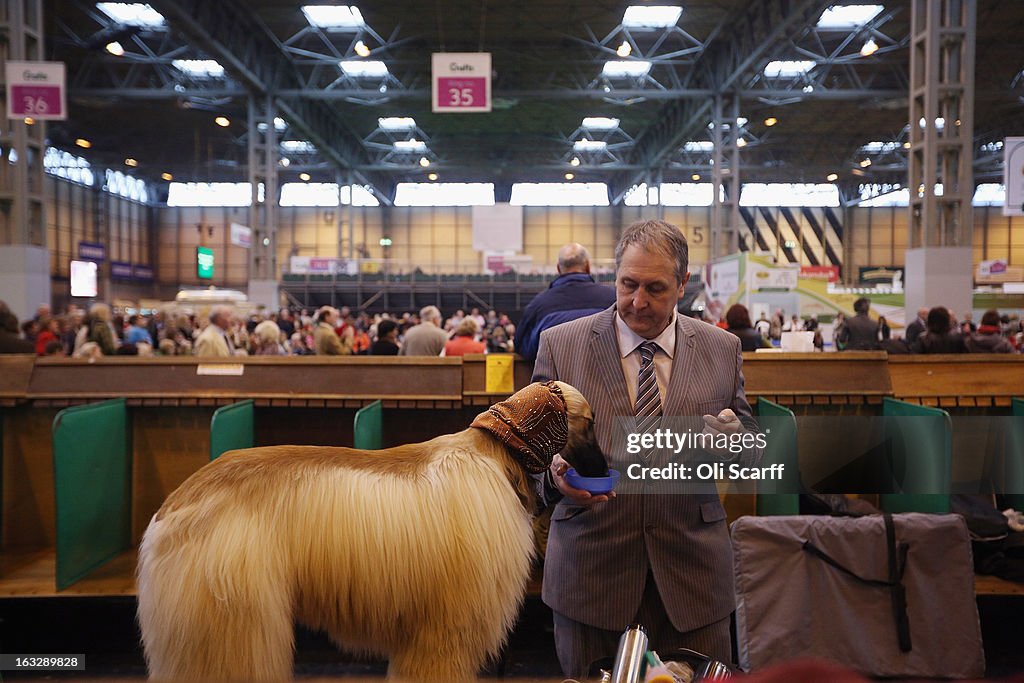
(532, 423)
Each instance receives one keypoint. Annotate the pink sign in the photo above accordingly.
(463, 91)
(36, 100)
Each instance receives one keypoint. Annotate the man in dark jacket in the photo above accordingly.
(917, 328)
(10, 342)
(573, 294)
(860, 332)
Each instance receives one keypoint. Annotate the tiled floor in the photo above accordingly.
(104, 630)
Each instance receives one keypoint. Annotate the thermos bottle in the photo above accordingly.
(629, 659)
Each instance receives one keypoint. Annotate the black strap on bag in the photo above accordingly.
(897, 561)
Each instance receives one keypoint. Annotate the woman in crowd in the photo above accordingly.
(939, 336)
(387, 339)
(989, 336)
(464, 340)
(738, 320)
(266, 340)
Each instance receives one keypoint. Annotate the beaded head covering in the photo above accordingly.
(532, 423)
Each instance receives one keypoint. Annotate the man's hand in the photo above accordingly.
(725, 422)
(558, 469)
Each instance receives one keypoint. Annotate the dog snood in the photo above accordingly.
(532, 423)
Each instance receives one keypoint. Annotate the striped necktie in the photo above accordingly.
(648, 399)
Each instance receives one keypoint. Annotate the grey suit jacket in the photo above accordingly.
(598, 558)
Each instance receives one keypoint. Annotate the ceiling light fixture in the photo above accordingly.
(589, 146)
(132, 14)
(832, 177)
(361, 49)
(371, 69)
(285, 161)
(424, 162)
(906, 145)
(167, 176)
(575, 161)
(869, 48)
(83, 143)
(396, 123)
(695, 176)
(29, 121)
(409, 146)
(770, 121)
(199, 68)
(334, 17)
(304, 177)
(602, 123)
(848, 16)
(741, 142)
(115, 48)
(865, 163)
(626, 68)
(431, 176)
(624, 50)
(648, 17)
(131, 162)
(222, 121)
(788, 68)
(570, 176)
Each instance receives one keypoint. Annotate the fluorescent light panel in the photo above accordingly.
(199, 68)
(590, 146)
(879, 147)
(788, 68)
(620, 68)
(361, 69)
(397, 123)
(334, 17)
(411, 146)
(209, 194)
(704, 146)
(298, 146)
(842, 17)
(601, 123)
(654, 16)
(132, 14)
(789, 194)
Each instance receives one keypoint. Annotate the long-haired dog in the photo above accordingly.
(418, 553)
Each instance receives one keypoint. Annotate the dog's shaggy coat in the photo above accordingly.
(418, 553)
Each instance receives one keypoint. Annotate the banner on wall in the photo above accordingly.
(879, 275)
(92, 251)
(144, 273)
(827, 273)
(317, 265)
(37, 90)
(241, 235)
(119, 270)
(762, 277)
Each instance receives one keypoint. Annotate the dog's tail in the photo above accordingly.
(212, 603)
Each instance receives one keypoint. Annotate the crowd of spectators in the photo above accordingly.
(935, 330)
(222, 333)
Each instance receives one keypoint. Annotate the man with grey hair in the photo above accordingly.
(660, 559)
(213, 341)
(573, 294)
(427, 338)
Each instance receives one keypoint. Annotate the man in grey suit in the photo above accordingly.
(663, 560)
(427, 338)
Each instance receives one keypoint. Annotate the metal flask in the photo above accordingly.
(630, 657)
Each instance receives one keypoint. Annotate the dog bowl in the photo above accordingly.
(595, 485)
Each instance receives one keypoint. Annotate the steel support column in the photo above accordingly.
(263, 160)
(725, 173)
(941, 122)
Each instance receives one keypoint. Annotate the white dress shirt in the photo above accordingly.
(629, 341)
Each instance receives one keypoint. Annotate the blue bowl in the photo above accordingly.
(595, 485)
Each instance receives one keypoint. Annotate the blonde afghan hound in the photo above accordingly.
(418, 553)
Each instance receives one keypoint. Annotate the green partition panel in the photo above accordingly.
(1014, 468)
(368, 428)
(781, 449)
(231, 428)
(92, 482)
(921, 457)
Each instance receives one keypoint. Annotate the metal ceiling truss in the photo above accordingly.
(731, 57)
(230, 33)
(616, 141)
(380, 144)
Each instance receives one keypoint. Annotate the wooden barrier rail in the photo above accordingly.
(313, 399)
